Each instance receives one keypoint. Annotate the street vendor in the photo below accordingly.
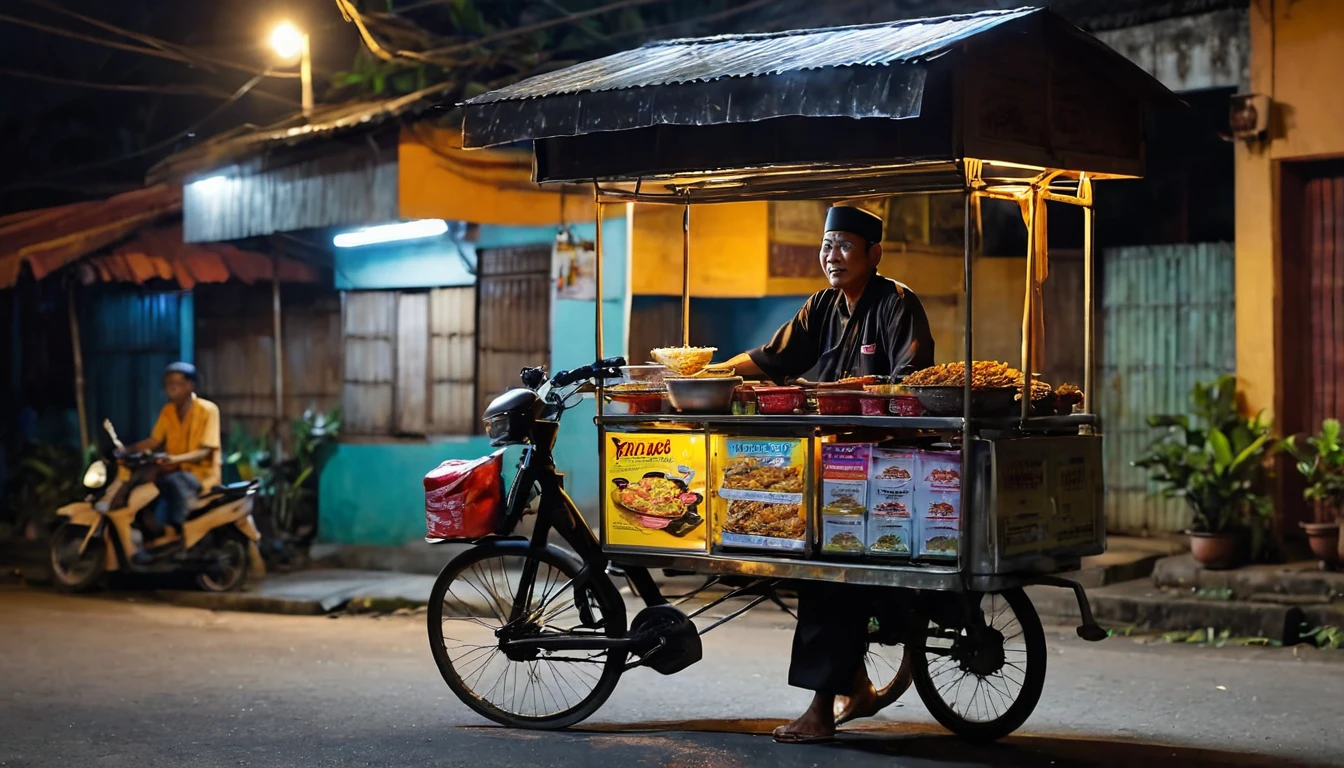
(864, 324)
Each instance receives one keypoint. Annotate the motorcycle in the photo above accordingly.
(113, 528)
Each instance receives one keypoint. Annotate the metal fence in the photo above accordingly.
(1168, 322)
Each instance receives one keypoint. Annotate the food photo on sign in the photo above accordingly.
(655, 491)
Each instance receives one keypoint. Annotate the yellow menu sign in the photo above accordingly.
(654, 496)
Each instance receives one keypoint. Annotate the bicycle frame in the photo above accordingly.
(556, 512)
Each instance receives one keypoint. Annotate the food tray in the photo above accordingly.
(950, 401)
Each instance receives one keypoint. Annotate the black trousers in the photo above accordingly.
(831, 638)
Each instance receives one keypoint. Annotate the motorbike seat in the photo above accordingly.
(232, 490)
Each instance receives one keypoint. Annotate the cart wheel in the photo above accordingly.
(983, 683)
(469, 609)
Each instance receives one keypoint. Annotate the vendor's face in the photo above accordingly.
(848, 260)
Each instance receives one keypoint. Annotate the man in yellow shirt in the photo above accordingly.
(188, 431)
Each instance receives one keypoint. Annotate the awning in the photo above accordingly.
(873, 70)
(851, 111)
(133, 237)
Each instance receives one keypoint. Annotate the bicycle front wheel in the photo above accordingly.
(470, 610)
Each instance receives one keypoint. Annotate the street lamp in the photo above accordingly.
(289, 42)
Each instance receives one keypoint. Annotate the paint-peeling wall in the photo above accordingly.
(1190, 53)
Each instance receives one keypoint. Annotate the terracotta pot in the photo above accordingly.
(1215, 551)
(1324, 540)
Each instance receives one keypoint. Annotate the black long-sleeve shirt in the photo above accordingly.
(886, 334)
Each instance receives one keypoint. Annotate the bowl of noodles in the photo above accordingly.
(684, 361)
(658, 502)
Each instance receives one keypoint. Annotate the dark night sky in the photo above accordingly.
(48, 131)
(57, 140)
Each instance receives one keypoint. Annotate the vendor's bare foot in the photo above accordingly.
(817, 724)
(864, 703)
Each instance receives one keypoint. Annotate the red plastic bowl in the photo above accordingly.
(905, 405)
(873, 404)
(778, 400)
(838, 403)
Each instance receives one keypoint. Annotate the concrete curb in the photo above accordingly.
(242, 601)
(1300, 579)
(1141, 605)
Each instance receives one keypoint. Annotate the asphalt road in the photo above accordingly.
(113, 681)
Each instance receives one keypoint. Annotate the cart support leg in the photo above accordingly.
(645, 585)
(1089, 630)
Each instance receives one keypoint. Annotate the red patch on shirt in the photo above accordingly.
(868, 349)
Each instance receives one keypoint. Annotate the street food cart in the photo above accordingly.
(951, 508)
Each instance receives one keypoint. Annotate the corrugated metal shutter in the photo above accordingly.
(235, 351)
(369, 321)
(129, 337)
(515, 316)
(452, 356)
(1325, 304)
(1169, 322)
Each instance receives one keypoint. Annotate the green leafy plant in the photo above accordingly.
(1320, 460)
(45, 477)
(1215, 459)
(1325, 637)
(312, 435)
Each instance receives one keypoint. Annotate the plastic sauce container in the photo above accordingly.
(779, 400)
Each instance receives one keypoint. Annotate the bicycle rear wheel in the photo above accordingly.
(469, 610)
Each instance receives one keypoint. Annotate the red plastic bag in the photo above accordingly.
(463, 499)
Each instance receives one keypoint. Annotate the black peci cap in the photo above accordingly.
(844, 218)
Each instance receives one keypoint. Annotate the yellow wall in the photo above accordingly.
(1297, 53)
(439, 180)
(729, 244)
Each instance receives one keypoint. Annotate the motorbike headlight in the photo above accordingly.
(96, 475)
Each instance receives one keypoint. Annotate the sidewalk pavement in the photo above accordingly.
(315, 592)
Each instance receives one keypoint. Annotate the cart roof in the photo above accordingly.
(1021, 86)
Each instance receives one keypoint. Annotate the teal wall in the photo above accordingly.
(371, 493)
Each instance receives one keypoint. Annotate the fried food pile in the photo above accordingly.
(985, 374)
(759, 518)
(752, 475)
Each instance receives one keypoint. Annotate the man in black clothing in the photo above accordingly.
(864, 324)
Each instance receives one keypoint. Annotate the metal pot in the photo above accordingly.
(705, 394)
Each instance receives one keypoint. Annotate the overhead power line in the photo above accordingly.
(157, 146)
(160, 48)
(166, 90)
(527, 29)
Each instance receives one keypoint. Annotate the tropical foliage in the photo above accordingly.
(1215, 459)
(1320, 460)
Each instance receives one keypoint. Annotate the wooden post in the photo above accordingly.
(278, 452)
(75, 345)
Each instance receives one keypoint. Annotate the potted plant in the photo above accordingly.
(1320, 460)
(1215, 460)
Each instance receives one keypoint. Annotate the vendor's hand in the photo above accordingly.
(165, 460)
